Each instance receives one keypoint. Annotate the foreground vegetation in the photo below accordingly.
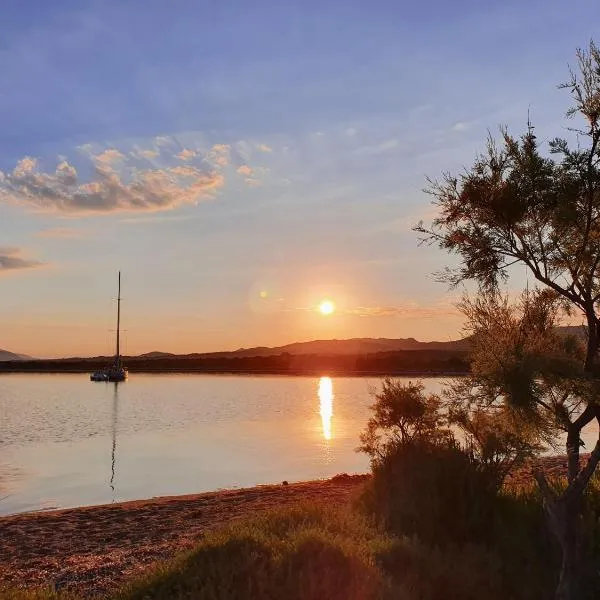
(395, 542)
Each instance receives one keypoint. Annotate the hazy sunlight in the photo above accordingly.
(326, 405)
(326, 307)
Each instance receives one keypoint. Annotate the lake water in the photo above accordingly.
(65, 441)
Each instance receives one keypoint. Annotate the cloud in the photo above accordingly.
(109, 156)
(351, 131)
(219, 155)
(408, 310)
(107, 191)
(264, 148)
(460, 126)
(186, 154)
(63, 233)
(163, 140)
(251, 181)
(244, 170)
(378, 148)
(147, 154)
(11, 259)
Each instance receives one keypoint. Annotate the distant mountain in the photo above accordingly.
(5, 355)
(156, 354)
(355, 346)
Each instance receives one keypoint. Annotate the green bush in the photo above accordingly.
(437, 491)
(303, 553)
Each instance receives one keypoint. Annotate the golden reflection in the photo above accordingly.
(326, 405)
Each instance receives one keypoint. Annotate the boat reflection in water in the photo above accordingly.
(115, 414)
(326, 405)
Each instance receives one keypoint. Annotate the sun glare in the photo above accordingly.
(326, 307)
(326, 405)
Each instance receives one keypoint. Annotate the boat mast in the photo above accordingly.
(118, 354)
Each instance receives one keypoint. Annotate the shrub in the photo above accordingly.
(437, 491)
(304, 553)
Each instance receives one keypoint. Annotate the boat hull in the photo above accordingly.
(110, 376)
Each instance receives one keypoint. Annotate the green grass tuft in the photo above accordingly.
(302, 553)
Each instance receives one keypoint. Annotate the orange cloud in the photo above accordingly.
(142, 190)
(186, 154)
(244, 170)
(109, 156)
(219, 155)
(408, 310)
(148, 154)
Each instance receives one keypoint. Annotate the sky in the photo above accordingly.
(241, 162)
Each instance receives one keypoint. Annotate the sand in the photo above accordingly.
(94, 549)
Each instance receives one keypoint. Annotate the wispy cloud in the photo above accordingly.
(378, 148)
(460, 126)
(147, 154)
(108, 190)
(63, 233)
(12, 259)
(264, 148)
(408, 310)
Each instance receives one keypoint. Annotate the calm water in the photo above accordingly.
(65, 441)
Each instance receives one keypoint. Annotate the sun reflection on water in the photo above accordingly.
(326, 405)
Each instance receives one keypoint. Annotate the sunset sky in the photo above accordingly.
(241, 162)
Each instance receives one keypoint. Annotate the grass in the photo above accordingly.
(311, 553)
(303, 553)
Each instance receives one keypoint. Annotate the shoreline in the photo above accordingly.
(95, 549)
(275, 372)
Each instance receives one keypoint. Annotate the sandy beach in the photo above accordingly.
(94, 549)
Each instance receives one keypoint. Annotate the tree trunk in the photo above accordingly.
(564, 512)
(564, 516)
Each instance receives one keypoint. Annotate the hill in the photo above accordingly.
(5, 355)
(353, 346)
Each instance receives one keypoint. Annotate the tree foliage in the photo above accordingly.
(520, 206)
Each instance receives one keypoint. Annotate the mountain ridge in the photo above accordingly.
(6, 355)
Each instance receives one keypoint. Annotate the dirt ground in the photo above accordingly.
(93, 550)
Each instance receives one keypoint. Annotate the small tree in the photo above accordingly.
(518, 206)
(402, 413)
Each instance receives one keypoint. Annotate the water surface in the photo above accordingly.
(65, 441)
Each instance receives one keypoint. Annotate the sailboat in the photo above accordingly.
(115, 372)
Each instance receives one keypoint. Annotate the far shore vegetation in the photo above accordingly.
(444, 514)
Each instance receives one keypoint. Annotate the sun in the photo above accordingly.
(326, 307)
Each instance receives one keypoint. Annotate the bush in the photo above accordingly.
(437, 491)
(304, 553)
(420, 571)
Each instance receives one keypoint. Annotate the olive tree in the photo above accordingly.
(518, 205)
